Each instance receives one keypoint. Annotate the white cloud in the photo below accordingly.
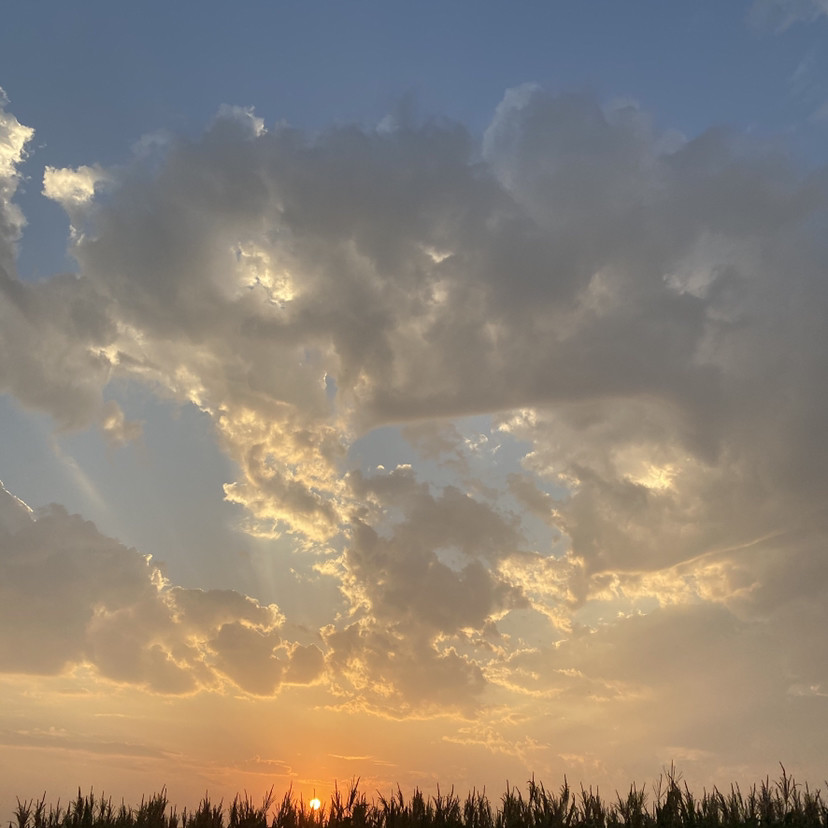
(14, 513)
(73, 188)
(13, 139)
(245, 116)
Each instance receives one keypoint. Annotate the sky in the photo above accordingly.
(431, 393)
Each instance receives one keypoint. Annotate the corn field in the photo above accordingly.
(781, 803)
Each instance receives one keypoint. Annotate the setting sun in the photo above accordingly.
(315, 804)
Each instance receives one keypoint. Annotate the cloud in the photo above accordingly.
(418, 587)
(73, 188)
(70, 596)
(643, 317)
(54, 356)
(14, 513)
(13, 139)
(52, 336)
(393, 672)
(248, 657)
(54, 739)
(116, 428)
(691, 676)
(782, 14)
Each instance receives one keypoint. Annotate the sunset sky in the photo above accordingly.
(430, 392)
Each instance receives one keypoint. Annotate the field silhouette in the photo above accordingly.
(669, 803)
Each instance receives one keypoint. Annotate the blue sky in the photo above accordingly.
(314, 64)
(431, 392)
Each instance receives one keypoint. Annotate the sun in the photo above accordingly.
(315, 804)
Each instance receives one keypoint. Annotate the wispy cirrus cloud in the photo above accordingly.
(781, 14)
